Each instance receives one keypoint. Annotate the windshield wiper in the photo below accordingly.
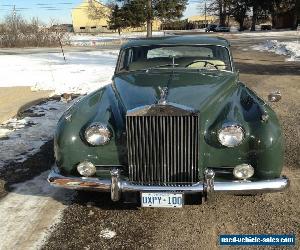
(164, 65)
(146, 69)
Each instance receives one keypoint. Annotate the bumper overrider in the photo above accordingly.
(115, 185)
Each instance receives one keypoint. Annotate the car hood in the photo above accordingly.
(194, 89)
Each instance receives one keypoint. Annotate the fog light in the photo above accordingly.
(86, 169)
(243, 171)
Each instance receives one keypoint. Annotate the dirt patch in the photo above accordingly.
(94, 213)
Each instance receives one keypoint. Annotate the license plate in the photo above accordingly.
(161, 200)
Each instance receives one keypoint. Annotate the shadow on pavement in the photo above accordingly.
(269, 69)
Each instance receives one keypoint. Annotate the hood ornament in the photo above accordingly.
(163, 95)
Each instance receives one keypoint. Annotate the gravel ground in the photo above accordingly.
(198, 227)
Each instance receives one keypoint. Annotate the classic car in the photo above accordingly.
(266, 26)
(175, 122)
(211, 27)
(220, 28)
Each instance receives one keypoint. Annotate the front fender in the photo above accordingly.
(263, 144)
(70, 146)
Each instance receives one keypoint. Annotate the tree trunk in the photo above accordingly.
(149, 18)
(241, 24)
(296, 14)
(222, 19)
(241, 19)
(149, 28)
(254, 18)
(222, 14)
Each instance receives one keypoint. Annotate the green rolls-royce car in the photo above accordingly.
(175, 122)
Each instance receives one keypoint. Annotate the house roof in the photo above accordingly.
(178, 40)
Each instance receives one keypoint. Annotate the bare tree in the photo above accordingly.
(17, 32)
(221, 8)
(95, 11)
(238, 10)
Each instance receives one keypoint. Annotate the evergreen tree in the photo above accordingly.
(169, 10)
(135, 13)
(116, 21)
(139, 12)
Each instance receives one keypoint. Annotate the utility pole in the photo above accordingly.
(205, 11)
(14, 17)
(14, 24)
(14, 13)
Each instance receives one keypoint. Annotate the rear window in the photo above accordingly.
(182, 51)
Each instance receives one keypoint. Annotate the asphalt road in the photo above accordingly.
(86, 222)
(198, 227)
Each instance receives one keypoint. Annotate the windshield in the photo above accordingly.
(174, 56)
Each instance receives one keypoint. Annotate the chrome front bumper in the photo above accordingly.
(116, 185)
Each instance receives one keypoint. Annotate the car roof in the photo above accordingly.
(178, 40)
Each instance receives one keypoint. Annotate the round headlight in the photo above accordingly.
(243, 171)
(97, 134)
(231, 135)
(86, 169)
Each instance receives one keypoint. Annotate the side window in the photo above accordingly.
(120, 65)
(129, 57)
(125, 58)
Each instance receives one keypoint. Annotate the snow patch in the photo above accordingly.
(281, 33)
(22, 138)
(290, 49)
(107, 234)
(94, 40)
(81, 73)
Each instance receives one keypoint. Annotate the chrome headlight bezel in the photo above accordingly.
(97, 134)
(231, 126)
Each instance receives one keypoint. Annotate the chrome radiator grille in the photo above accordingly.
(162, 150)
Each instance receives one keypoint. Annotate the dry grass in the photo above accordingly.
(17, 32)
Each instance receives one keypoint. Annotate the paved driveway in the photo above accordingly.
(12, 99)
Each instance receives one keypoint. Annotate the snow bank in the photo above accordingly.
(290, 49)
(82, 72)
(92, 40)
(283, 33)
(22, 138)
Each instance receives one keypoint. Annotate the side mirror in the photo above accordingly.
(274, 96)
